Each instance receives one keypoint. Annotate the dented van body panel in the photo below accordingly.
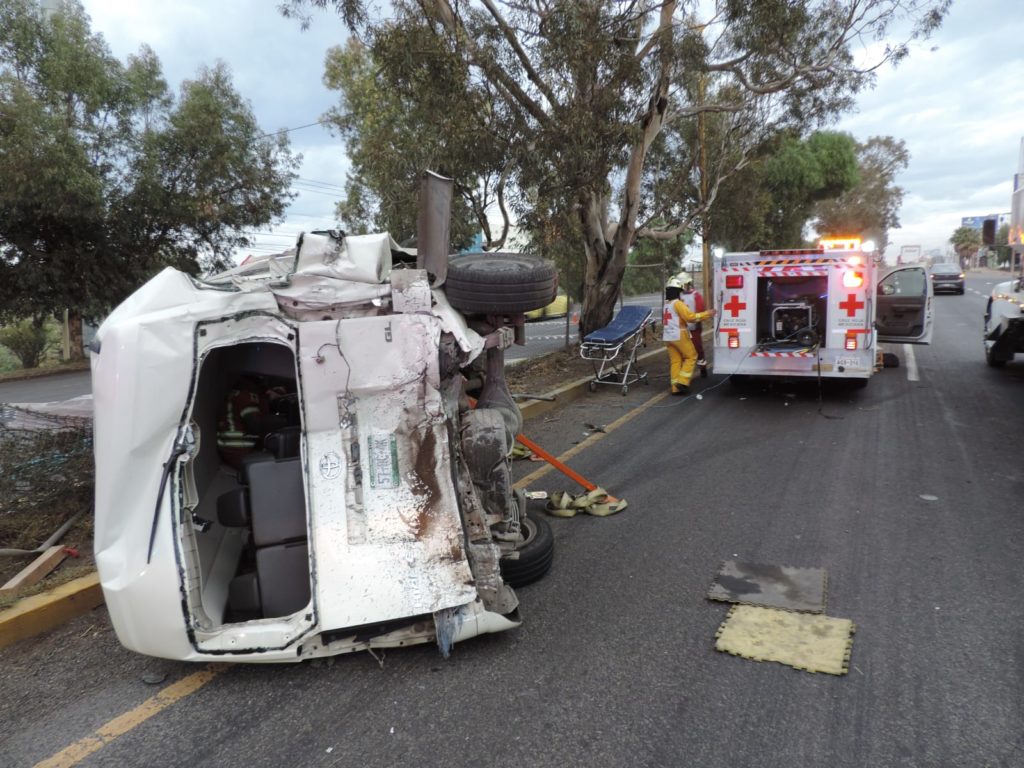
(355, 523)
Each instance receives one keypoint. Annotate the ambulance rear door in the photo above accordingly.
(903, 299)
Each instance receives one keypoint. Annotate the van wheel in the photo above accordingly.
(499, 283)
(536, 553)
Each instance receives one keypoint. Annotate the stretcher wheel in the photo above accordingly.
(625, 389)
(592, 386)
(499, 283)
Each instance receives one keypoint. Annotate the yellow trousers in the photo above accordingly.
(682, 359)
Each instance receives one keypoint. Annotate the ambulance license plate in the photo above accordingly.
(848, 362)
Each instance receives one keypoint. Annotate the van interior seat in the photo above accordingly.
(273, 504)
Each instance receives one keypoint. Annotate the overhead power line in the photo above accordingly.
(315, 191)
(314, 182)
(296, 128)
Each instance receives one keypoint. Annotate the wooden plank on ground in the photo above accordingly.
(38, 569)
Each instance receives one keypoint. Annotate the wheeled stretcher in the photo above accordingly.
(612, 350)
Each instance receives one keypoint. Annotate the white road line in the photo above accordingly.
(911, 362)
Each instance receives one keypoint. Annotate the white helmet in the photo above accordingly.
(682, 281)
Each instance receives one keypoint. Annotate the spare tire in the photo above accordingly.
(498, 283)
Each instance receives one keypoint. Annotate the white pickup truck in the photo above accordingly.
(1004, 322)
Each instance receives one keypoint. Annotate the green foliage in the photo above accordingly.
(8, 361)
(802, 173)
(651, 262)
(408, 104)
(1003, 235)
(871, 207)
(107, 177)
(27, 340)
(769, 203)
(966, 240)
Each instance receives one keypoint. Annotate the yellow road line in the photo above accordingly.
(121, 724)
(540, 472)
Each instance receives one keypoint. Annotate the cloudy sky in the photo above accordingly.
(958, 101)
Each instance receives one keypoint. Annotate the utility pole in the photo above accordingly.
(704, 228)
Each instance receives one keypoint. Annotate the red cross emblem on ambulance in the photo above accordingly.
(735, 305)
(851, 305)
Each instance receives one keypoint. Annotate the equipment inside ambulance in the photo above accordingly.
(814, 312)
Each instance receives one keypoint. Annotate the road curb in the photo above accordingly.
(32, 615)
(28, 374)
(569, 392)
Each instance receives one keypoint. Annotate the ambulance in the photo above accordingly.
(816, 312)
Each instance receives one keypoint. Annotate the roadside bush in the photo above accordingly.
(8, 362)
(28, 341)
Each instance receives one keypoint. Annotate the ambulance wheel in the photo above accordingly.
(536, 553)
(500, 283)
(992, 360)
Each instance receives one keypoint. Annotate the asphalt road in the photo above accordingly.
(46, 389)
(908, 493)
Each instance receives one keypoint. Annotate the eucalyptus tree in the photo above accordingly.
(593, 87)
(408, 104)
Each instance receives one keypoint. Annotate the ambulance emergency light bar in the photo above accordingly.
(841, 243)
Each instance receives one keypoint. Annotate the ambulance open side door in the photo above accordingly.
(903, 311)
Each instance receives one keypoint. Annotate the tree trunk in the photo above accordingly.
(602, 275)
(607, 251)
(77, 351)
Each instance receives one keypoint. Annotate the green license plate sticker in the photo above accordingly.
(383, 453)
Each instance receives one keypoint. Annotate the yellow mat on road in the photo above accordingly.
(804, 641)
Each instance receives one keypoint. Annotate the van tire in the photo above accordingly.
(500, 283)
(536, 553)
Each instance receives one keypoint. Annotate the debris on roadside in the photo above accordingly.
(39, 568)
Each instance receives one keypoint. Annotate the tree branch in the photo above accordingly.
(442, 11)
(524, 60)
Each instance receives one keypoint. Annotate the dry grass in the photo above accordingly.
(46, 478)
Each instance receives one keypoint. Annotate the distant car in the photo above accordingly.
(557, 308)
(947, 277)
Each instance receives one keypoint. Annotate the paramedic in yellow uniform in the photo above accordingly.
(681, 353)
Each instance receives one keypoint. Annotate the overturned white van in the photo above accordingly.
(377, 510)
